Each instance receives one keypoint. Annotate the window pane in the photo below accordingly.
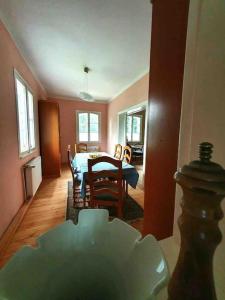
(136, 129)
(94, 127)
(83, 127)
(93, 137)
(83, 137)
(22, 116)
(129, 122)
(31, 119)
(93, 118)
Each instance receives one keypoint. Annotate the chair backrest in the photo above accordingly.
(81, 147)
(75, 149)
(127, 154)
(118, 151)
(70, 161)
(107, 183)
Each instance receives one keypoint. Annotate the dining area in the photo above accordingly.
(102, 180)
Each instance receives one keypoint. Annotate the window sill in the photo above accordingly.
(25, 154)
(89, 143)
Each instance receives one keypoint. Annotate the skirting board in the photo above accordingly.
(11, 230)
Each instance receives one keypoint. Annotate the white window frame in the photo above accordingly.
(99, 126)
(141, 120)
(31, 149)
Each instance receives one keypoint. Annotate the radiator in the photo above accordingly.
(33, 176)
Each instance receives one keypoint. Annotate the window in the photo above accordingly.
(134, 124)
(88, 124)
(25, 113)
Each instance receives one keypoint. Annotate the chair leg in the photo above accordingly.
(120, 211)
(74, 194)
(126, 189)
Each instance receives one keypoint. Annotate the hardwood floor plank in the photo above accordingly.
(48, 209)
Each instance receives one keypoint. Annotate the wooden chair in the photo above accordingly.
(118, 151)
(74, 173)
(75, 149)
(127, 154)
(106, 187)
(81, 147)
(69, 156)
(137, 153)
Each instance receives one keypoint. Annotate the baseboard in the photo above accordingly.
(11, 230)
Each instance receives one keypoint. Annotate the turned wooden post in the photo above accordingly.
(203, 185)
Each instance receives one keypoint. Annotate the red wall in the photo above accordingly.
(68, 122)
(11, 183)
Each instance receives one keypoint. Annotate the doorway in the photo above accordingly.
(132, 132)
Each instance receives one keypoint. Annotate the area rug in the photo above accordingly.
(132, 210)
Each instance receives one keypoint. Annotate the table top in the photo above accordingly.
(80, 162)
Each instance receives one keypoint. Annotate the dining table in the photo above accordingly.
(80, 162)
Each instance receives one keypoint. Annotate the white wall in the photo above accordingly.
(203, 107)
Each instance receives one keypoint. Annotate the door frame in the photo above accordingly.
(143, 104)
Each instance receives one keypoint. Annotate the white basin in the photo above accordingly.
(93, 260)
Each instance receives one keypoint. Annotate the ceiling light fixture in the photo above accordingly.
(85, 95)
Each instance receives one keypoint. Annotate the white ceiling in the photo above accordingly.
(59, 37)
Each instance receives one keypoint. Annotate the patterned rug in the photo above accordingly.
(132, 210)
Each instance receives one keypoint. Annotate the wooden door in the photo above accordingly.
(168, 40)
(49, 138)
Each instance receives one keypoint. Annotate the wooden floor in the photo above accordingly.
(48, 210)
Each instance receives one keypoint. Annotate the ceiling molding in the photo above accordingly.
(10, 31)
(130, 84)
(57, 97)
